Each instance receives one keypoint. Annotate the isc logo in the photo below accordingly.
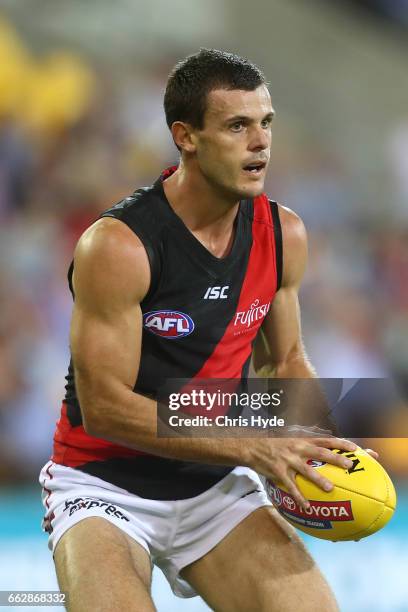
(215, 293)
(168, 324)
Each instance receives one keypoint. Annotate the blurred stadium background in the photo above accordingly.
(81, 126)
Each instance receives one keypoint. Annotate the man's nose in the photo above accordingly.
(260, 139)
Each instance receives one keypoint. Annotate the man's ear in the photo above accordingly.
(183, 136)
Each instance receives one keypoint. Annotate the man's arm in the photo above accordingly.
(279, 350)
(111, 277)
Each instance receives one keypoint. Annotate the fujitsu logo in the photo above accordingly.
(254, 313)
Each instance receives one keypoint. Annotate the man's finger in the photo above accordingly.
(292, 489)
(325, 454)
(340, 443)
(314, 476)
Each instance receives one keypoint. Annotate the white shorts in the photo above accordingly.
(174, 533)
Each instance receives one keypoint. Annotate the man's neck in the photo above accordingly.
(208, 216)
(197, 203)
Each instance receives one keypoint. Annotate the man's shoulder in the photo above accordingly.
(108, 238)
(291, 222)
(110, 255)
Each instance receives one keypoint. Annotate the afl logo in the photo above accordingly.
(168, 324)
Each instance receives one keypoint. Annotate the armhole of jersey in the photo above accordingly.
(154, 268)
(69, 276)
(277, 230)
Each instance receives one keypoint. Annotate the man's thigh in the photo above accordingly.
(262, 566)
(102, 569)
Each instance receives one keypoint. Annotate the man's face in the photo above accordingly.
(233, 147)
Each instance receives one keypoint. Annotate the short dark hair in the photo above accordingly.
(192, 79)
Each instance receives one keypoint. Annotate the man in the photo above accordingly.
(163, 284)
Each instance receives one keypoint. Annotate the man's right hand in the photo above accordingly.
(280, 459)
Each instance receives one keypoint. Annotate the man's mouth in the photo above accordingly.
(255, 168)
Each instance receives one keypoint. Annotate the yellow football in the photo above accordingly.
(362, 501)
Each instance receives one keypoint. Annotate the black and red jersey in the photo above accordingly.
(200, 318)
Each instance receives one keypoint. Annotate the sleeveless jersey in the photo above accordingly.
(200, 319)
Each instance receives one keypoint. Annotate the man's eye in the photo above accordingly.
(266, 123)
(236, 127)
